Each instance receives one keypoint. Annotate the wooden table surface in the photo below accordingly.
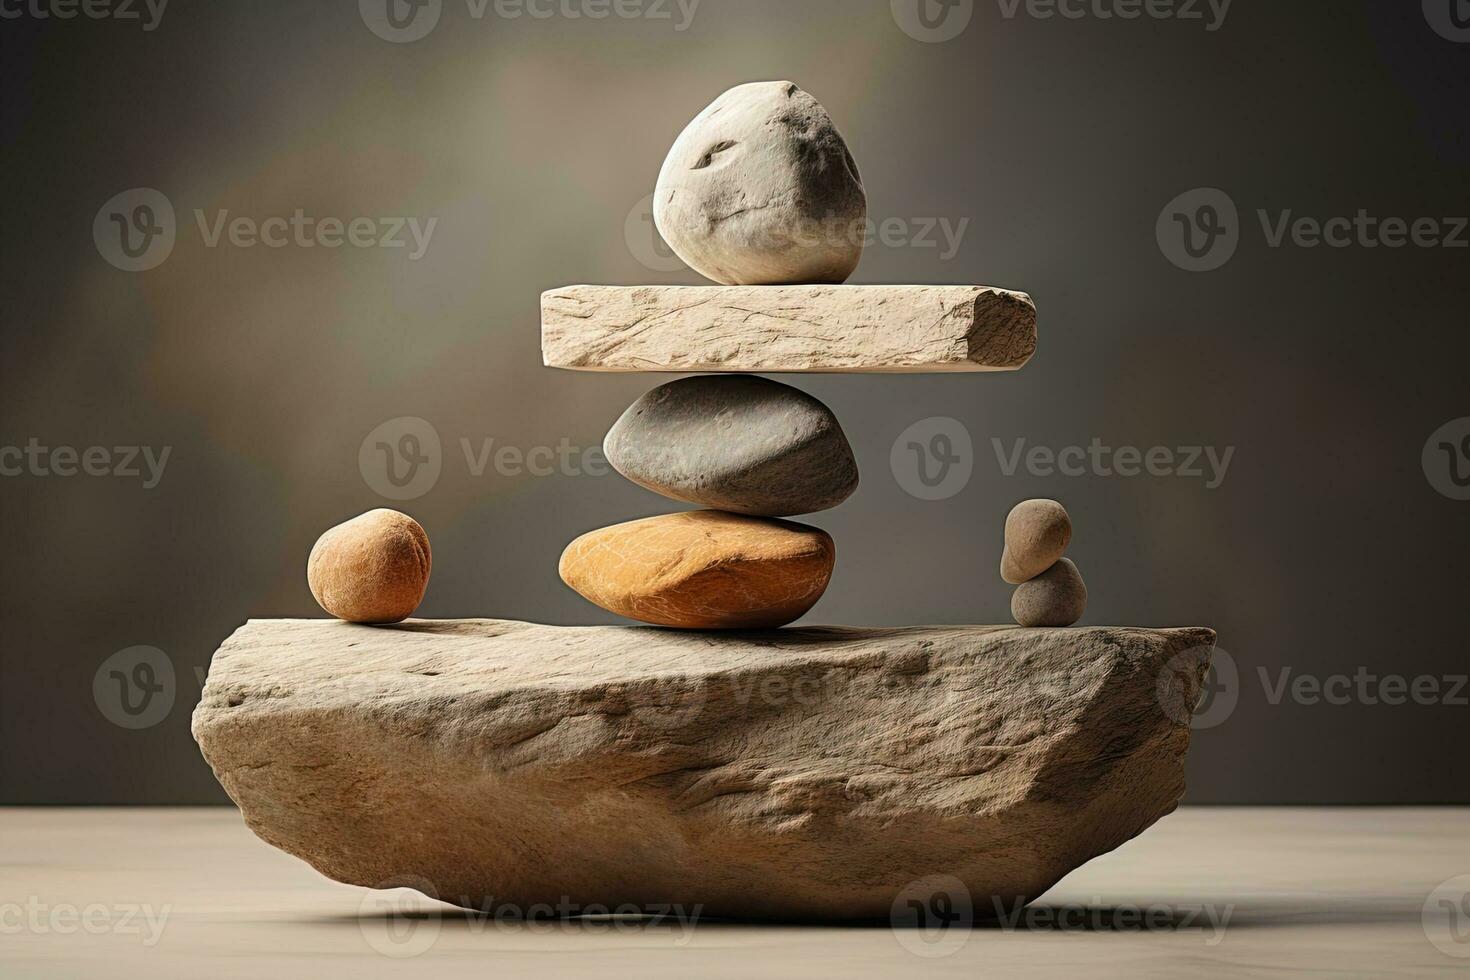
(1216, 892)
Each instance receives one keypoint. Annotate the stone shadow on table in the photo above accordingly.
(1041, 917)
(787, 637)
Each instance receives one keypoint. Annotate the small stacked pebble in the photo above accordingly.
(1051, 591)
(748, 196)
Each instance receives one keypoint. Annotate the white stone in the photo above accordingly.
(760, 188)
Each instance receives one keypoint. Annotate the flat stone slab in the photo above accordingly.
(773, 329)
(793, 774)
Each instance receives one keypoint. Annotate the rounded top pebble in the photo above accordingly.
(1037, 535)
(760, 189)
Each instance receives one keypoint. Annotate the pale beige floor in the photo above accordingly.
(1231, 892)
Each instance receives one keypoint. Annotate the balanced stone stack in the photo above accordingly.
(1051, 591)
(760, 194)
(822, 773)
(755, 450)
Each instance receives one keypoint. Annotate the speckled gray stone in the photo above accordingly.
(1056, 597)
(739, 443)
(761, 189)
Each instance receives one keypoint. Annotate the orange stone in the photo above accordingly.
(703, 570)
(372, 569)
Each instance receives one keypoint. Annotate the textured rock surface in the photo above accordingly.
(371, 569)
(1037, 535)
(810, 774)
(703, 569)
(768, 329)
(760, 188)
(1056, 597)
(737, 443)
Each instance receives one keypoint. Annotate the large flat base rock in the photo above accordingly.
(773, 329)
(793, 774)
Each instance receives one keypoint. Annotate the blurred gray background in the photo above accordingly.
(534, 142)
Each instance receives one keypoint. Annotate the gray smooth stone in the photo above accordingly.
(735, 442)
(1056, 597)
